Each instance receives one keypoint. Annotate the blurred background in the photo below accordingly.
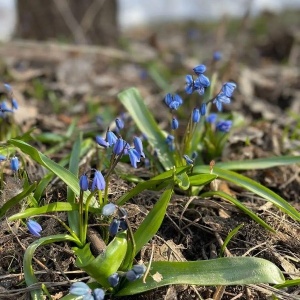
(100, 19)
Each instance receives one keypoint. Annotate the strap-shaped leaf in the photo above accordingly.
(222, 271)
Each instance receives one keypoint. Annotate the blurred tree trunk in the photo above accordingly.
(79, 21)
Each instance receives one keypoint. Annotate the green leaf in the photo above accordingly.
(65, 175)
(52, 207)
(30, 278)
(183, 181)
(13, 201)
(142, 117)
(288, 283)
(254, 187)
(259, 163)
(201, 179)
(73, 216)
(106, 263)
(152, 222)
(230, 235)
(222, 271)
(240, 205)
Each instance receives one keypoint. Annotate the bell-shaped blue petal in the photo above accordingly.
(98, 181)
(168, 99)
(212, 118)
(2, 157)
(101, 141)
(188, 160)
(114, 279)
(131, 275)
(111, 138)
(4, 107)
(224, 126)
(14, 164)
(99, 294)
(189, 84)
(84, 182)
(119, 146)
(199, 69)
(217, 55)
(228, 88)
(14, 104)
(203, 109)
(138, 145)
(195, 115)
(174, 123)
(114, 227)
(119, 123)
(139, 269)
(220, 99)
(178, 99)
(80, 289)
(202, 81)
(123, 225)
(108, 209)
(169, 139)
(34, 227)
(134, 157)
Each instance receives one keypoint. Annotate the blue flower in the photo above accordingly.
(134, 157)
(119, 146)
(114, 227)
(173, 101)
(188, 160)
(138, 145)
(201, 83)
(98, 181)
(194, 155)
(108, 209)
(102, 142)
(7, 87)
(139, 269)
(14, 104)
(174, 123)
(119, 124)
(114, 279)
(99, 294)
(217, 56)
(2, 157)
(199, 69)
(14, 164)
(211, 118)
(80, 289)
(84, 182)
(111, 138)
(203, 109)
(195, 115)
(228, 89)
(4, 108)
(224, 126)
(131, 275)
(189, 84)
(169, 139)
(34, 227)
(220, 99)
(123, 225)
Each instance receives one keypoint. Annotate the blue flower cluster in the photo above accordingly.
(98, 182)
(120, 147)
(199, 84)
(224, 95)
(82, 289)
(4, 109)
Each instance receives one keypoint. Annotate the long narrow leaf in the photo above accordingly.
(222, 271)
(259, 163)
(28, 256)
(73, 216)
(254, 187)
(241, 206)
(135, 105)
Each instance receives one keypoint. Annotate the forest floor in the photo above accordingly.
(56, 84)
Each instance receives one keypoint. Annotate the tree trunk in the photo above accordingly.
(79, 21)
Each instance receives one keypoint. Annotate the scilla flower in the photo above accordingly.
(98, 181)
(34, 227)
(224, 126)
(14, 164)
